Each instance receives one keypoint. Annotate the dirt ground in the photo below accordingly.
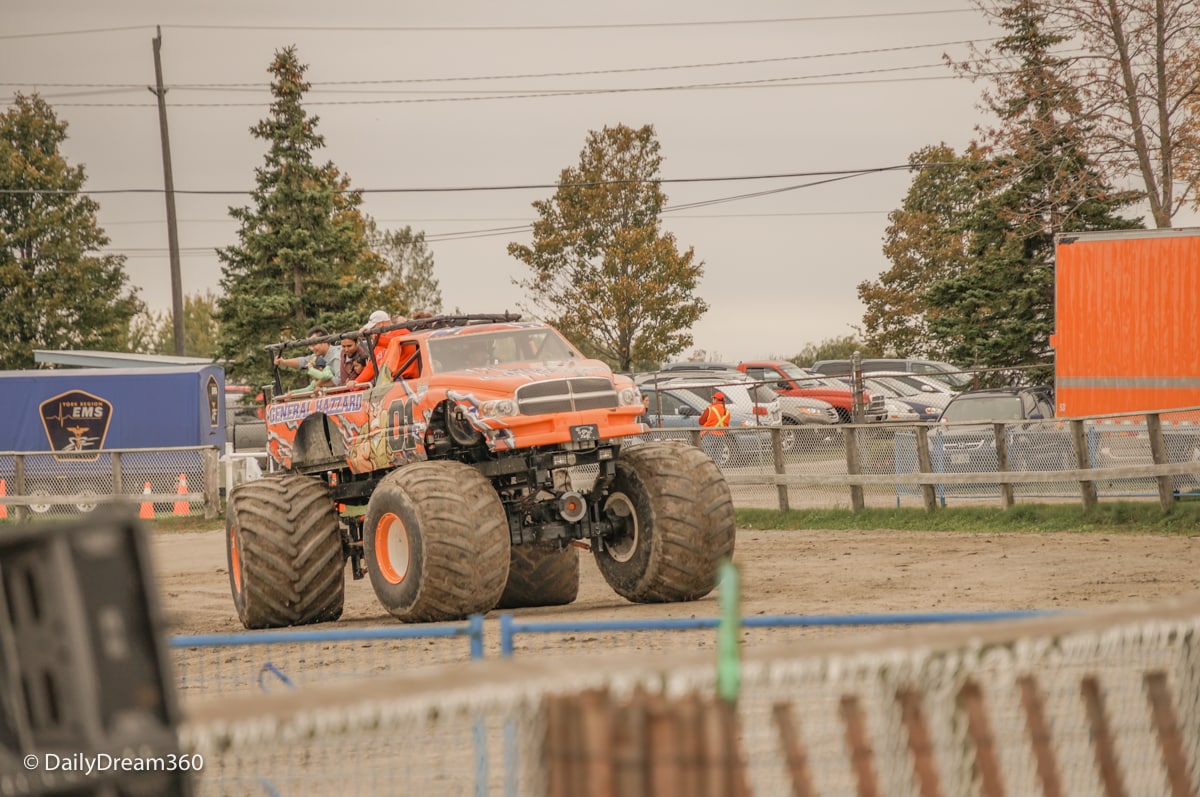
(795, 572)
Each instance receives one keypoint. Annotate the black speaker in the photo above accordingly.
(87, 702)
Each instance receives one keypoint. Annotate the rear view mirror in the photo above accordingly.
(685, 411)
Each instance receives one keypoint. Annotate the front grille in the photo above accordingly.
(876, 407)
(566, 395)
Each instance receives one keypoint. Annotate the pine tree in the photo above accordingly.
(603, 271)
(972, 249)
(998, 311)
(303, 257)
(56, 290)
(1132, 73)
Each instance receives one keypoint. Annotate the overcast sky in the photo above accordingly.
(490, 95)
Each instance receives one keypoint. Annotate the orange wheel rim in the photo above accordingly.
(235, 559)
(391, 548)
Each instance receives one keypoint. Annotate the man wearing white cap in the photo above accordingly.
(379, 318)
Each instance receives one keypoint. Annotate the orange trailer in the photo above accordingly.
(1127, 319)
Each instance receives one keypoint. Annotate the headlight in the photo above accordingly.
(499, 408)
(629, 396)
(812, 411)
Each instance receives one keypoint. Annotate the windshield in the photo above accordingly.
(880, 386)
(506, 347)
(918, 383)
(735, 395)
(891, 386)
(946, 374)
(984, 408)
(831, 381)
(794, 371)
(762, 394)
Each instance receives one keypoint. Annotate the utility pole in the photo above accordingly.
(169, 185)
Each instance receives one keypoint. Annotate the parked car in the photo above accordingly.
(793, 410)
(813, 418)
(790, 379)
(678, 404)
(900, 411)
(950, 374)
(924, 384)
(927, 404)
(966, 441)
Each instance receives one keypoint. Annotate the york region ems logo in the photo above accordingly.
(76, 422)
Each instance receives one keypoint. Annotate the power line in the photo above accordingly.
(465, 189)
(526, 94)
(794, 81)
(488, 233)
(83, 32)
(518, 75)
(501, 28)
(491, 232)
(461, 219)
(593, 26)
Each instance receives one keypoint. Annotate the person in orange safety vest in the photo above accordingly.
(715, 415)
(380, 318)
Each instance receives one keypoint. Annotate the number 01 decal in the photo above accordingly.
(400, 425)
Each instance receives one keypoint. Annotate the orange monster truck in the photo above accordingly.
(466, 478)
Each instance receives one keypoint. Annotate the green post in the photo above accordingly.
(729, 672)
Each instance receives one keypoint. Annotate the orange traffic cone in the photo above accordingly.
(147, 510)
(3, 494)
(182, 507)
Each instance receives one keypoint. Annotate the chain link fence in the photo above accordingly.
(769, 467)
(163, 482)
(1100, 703)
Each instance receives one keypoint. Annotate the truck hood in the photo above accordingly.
(504, 380)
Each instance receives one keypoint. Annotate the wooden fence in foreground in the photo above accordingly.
(600, 746)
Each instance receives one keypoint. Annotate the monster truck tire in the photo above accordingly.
(286, 565)
(675, 522)
(541, 576)
(436, 542)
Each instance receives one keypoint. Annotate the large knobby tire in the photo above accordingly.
(540, 575)
(675, 524)
(436, 542)
(286, 565)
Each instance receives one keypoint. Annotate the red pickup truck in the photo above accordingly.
(790, 379)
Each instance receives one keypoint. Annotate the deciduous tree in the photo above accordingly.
(924, 241)
(603, 271)
(406, 282)
(842, 348)
(57, 291)
(1133, 70)
(154, 332)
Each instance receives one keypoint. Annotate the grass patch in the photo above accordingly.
(185, 523)
(1118, 517)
